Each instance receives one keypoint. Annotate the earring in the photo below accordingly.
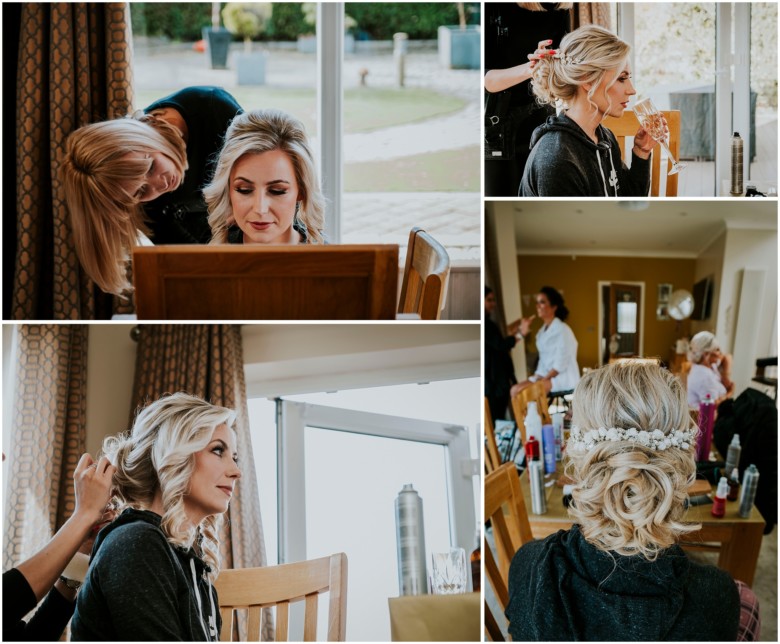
(297, 207)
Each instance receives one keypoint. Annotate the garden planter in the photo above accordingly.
(217, 43)
(459, 47)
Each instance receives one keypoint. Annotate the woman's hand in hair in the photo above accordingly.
(525, 325)
(92, 482)
(541, 52)
(497, 80)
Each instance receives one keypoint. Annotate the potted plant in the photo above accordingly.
(248, 20)
(459, 45)
(217, 40)
(307, 42)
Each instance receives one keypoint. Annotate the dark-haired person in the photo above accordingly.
(555, 342)
(499, 368)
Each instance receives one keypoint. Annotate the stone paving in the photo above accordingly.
(454, 218)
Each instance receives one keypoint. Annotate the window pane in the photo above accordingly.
(262, 423)
(351, 484)
(626, 317)
(763, 82)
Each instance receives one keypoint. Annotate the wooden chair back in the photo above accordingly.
(424, 285)
(492, 457)
(627, 126)
(236, 282)
(537, 394)
(506, 511)
(256, 588)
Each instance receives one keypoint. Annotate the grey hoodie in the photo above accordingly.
(141, 588)
(565, 162)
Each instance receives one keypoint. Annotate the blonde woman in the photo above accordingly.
(710, 370)
(588, 78)
(151, 571)
(618, 573)
(266, 188)
(144, 173)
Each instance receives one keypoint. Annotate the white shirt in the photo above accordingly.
(557, 348)
(703, 380)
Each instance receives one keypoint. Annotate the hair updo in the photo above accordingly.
(627, 498)
(584, 56)
(701, 343)
(159, 454)
(555, 299)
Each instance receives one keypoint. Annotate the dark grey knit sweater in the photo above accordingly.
(140, 588)
(565, 162)
(563, 588)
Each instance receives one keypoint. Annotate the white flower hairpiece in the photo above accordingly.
(584, 441)
(567, 59)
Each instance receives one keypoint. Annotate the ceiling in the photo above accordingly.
(665, 228)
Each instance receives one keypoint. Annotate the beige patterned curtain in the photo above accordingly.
(587, 13)
(73, 67)
(48, 436)
(207, 360)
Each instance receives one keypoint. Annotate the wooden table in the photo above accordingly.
(436, 618)
(737, 540)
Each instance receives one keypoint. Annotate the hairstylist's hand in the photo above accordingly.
(93, 482)
(109, 514)
(525, 325)
(541, 52)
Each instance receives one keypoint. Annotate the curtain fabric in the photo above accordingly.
(49, 435)
(587, 13)
(206, 360)
(73, 67)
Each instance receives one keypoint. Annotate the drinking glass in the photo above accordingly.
(448, 572)
(651, 119)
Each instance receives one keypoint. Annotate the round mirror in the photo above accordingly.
(680, 304)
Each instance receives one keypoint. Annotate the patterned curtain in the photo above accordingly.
(595, 13)
(73, 67)
(207, 360)
(48, 436)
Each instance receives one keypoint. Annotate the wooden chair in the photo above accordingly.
(424, 285)
(256, 588)
(506, 511)
(238, 282)
(627, 126)
(536, 393)
(492, 457)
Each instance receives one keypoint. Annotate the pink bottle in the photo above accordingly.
(706, 422)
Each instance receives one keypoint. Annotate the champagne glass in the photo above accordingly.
(448, 572)
(651, 119)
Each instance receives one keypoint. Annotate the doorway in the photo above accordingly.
(620, 320)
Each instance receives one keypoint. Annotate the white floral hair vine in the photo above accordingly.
(567, 59)
(655, 439)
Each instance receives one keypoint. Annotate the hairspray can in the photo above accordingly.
(410, 538)
(706, 421)
(736, 165)
(749, 485)
(536, 476)
(548, 446)
(557, 420)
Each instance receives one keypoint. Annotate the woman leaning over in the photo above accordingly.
(574, 154)
(619, 573)
(146, 173)
(152, 568)
(266, 188)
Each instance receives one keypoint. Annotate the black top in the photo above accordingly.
(140, 588)
(565, 162)
(513, 32)
(499, 369)
(564, 588)
(19, 599)
(180, 217)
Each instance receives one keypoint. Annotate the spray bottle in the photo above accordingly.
(719, 503)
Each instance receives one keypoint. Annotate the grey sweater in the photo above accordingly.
(140, 588)
(564, 588)
(565, 162)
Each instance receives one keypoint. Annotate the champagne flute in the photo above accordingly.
(651, 119)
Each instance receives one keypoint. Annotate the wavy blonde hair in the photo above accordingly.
(256, 132)
(586, 55)
(105, 218)
(159, 454)
(627, 498)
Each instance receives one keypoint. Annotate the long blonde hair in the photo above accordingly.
(261, 131)
(105, 218)
(585, 56)
(627, 498)
(158, 454)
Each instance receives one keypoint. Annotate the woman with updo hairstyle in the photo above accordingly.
(572, 154)
(557, 368)
(142, 176)
(266, 189)
(151, 573)
(710, 371)
(619, 573)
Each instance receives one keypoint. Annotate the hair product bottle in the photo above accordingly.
(719, 502)
(736, 165)
(749, 486)
(732, 456)
(410, 538)
(706, 421)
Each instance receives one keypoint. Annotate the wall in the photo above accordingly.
(710, 262)
(578, 277)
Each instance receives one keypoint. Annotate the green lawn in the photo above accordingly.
(365, 108)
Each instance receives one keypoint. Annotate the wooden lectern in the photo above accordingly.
(338, 282)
